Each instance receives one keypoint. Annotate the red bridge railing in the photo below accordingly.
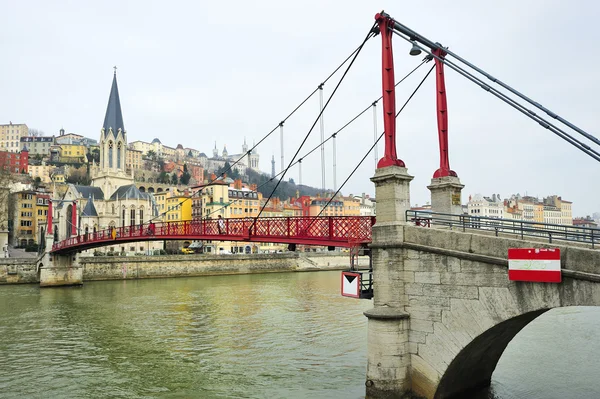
(341, 231)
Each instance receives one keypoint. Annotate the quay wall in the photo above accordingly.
(19, 271)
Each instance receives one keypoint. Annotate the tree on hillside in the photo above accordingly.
(174, 178)
(227, 169)
(163, 178)
(78, 176)
(151, 155)
(94, 155)
(185, 176)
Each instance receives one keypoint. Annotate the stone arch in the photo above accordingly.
(151, 189)
(159, 190)
(477, 361)
(142, 189)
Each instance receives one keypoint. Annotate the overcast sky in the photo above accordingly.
(199, 72)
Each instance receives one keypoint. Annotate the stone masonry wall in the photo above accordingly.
(464, 310)
(13, 271)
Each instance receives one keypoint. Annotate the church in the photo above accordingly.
(112, 199)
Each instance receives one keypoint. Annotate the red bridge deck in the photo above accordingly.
(336, 231)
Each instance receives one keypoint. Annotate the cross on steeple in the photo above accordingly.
(115, 68)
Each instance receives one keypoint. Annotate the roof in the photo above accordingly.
(129, 191)
(90, 209)
(156, 140)
(89, 192)
(114, 117)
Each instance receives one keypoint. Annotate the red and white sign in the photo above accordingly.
(534, 264)
(351, 284)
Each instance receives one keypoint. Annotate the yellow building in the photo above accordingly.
(161, 205)
(538, 212)
(58, 177)
(351, 206)
(41, 212)
(215, 201)
(291, 210)
(73, 152)
(68, 153)
(178, 208)
(566, 212)
(335, 207)
(134, 159)
(10, 136)
(42, 171)
(243, 202)
(25, 220)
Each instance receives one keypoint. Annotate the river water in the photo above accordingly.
(288, 335)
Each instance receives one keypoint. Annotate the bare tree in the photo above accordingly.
(36, 132)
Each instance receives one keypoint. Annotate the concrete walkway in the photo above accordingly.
(20, 253)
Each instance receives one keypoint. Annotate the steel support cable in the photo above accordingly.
(427, 59)
(415, 36)
(519, 107)
(373, 146)
(367, 37)
(295, 109)
(274, 129)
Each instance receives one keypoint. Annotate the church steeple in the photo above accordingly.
(114, 117)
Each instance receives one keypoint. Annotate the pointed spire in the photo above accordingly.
(114, 117)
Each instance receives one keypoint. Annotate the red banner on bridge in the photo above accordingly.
(540, 265)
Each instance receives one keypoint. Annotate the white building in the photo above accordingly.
(481, 206)
(367, 205)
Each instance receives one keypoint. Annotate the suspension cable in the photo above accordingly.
(295, 109)
(369, 35)
(358, 49)
(299, 160)
(502, 96)
(372, 147)
(414, 37)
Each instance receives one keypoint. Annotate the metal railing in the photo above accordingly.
(522, 228)
(323, 230)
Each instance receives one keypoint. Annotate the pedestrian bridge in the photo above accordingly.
(334, 231)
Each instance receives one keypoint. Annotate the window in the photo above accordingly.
(132, 217)
(119, 155)
(141, 216)
(110, 154)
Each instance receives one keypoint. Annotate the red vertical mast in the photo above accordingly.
(389, 92)
(442, 116)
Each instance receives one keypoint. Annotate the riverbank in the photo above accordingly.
(22, 271)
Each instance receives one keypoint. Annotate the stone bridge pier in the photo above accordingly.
(59, 270)
(443, 307)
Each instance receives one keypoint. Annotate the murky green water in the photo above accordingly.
(287, 335)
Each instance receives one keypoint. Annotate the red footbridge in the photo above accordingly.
(331, 231)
